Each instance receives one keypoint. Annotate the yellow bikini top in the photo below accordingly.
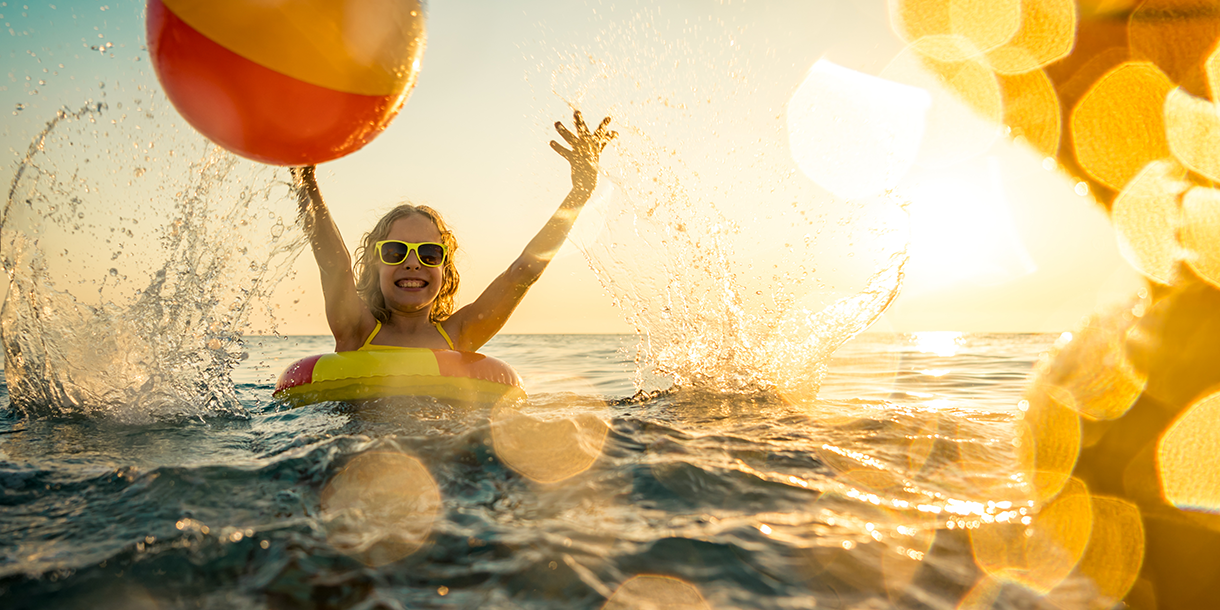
(368, 343)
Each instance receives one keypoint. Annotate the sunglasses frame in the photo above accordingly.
(412, 247)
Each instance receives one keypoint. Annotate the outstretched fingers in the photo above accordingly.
(568, 136)
(579, 120)
(603, 136)
(563, 152)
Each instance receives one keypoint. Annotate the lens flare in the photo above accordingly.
(656, 593)
(1046, 34)
(923, 441)
(967, 106)
(987, 24)
(943, 343)
(900, 564)
(547, 450)
(1048, 443)
(1200, 232)
(1145, 216)
(1118, 127)
(1212, 69)
(984, 595)
(380, 507)
(1043, 552)
(853, 134)
(1091, 374)
(1031, 109)
(1186, 457)
(1192, 126)
(1111, 562)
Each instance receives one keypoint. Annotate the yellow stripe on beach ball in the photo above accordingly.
(368, 47)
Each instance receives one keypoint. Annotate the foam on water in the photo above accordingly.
(136, 253)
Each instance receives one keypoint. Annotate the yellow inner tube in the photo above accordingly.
(448, 375)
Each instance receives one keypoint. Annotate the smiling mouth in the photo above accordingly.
(411, 283)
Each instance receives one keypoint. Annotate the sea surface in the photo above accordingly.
(684, 497)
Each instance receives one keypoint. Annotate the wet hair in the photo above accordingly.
(368, 284)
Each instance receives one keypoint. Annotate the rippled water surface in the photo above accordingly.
(853, 499)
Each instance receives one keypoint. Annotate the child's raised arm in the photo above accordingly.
(479, 321)
(349, 319)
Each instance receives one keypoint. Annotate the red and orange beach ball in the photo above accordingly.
(287, 82)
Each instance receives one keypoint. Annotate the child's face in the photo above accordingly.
(409, 286)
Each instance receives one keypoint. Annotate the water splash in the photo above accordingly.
(136, 253)
(740, 274)
(707, 316)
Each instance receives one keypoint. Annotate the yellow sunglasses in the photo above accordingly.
(394, 252)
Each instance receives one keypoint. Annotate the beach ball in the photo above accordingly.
(287, 82)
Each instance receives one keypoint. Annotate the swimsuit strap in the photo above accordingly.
(376, 329)
(444, 334)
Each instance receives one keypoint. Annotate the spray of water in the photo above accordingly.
(739, 273)
(136, 253)
(709, 317)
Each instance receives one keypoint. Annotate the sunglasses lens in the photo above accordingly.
(393, 252)
(431, 255)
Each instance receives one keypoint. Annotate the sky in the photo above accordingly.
(1000, 239)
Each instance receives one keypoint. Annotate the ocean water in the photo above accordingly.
(682, 497)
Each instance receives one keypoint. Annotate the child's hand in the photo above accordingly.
(586, 148)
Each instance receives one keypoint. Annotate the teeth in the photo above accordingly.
(411, 283)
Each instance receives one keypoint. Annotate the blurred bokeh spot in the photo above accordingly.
(1118, 126)
(550, 449)
(380, 508)
(656, 593)
(1118, 431)
(1187, 455)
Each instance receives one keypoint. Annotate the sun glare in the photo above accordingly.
(940, 342)
(962, 231)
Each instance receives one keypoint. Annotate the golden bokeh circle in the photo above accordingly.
(1146, 216)
(649, 592)
(1031, 109)
(1200, 232)
(1112, 560)
(380, 507)
(987, 24)
(1091, 373)
(1192, 127)
(1048, 442)
(1042, 551)
(1047, 33)
(1187, 454)
(967, 105)
(1118, 127)
(1211, 67)
(547, 450)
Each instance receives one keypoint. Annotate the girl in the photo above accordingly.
(400, 292)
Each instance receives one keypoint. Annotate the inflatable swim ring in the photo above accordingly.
(447, 375)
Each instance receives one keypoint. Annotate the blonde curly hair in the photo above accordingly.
(368, 285)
